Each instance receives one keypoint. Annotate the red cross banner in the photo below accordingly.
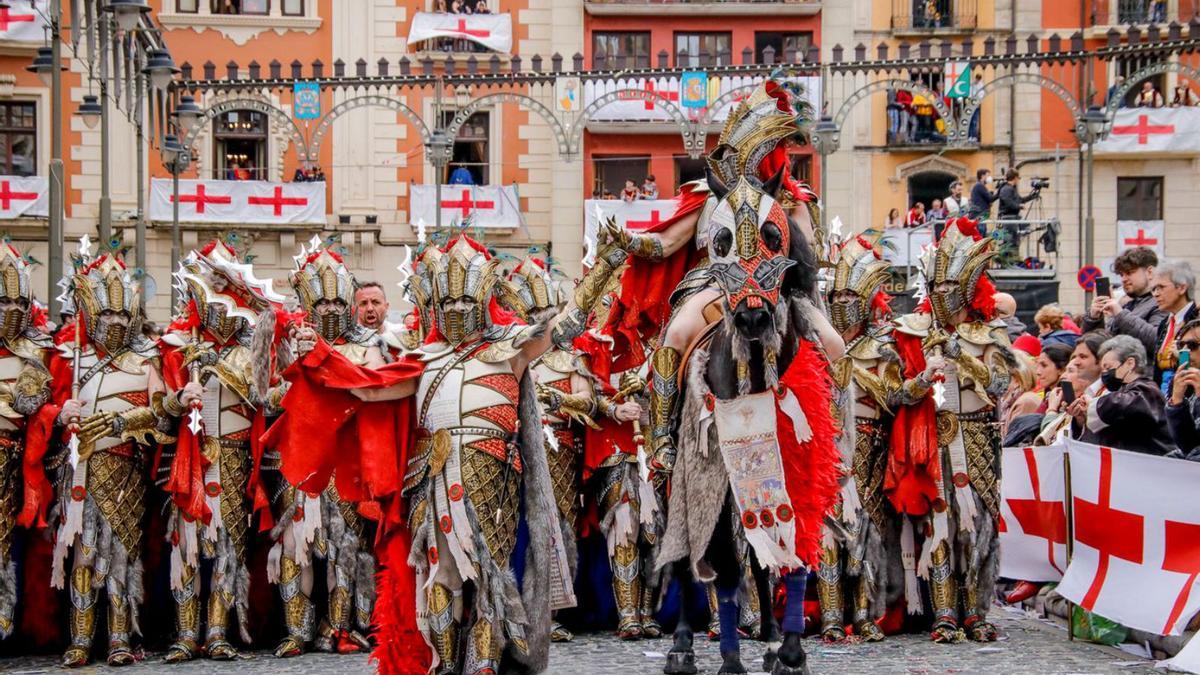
(23, 21)
(493, 31)
(652, 99)
(1158, 130)
(239, 201)
(495, 206)
(24, 197)
(1136, 554)
(636, 215)
(1132, 233)
(1033, 517)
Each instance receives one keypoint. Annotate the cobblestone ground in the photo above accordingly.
(1028, 646)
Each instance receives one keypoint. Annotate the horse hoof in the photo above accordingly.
(791, 659)
(731, 664)
(769, 660)
(681, 663)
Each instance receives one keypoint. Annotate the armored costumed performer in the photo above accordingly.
(212, 475)
(944, 465)
(566, 397)
(108, 384)
(26, 417)
(856, 556)
(467, 470)
(322, 523)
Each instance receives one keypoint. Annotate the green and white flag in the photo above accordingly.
(958, 79)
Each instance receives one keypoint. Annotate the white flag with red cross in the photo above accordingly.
(636, 215)
(1136, 554)
(239, 201)
(24, 197)
(23, 21)
(493, 31)
(495, 206)
(1159, 130)
(1132, 233)
(1033, 517)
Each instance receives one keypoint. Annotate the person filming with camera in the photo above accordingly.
(1183, 409)
(1011, 201)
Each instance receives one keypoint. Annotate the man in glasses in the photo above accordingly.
(1183, 411)
(1173, 288)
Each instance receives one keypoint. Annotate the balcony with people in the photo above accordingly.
(921, 17)
(461, 27)
(1106, 14)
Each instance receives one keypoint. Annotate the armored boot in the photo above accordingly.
(119, 626)
(443, 627)
(215, 643)
(627, 589)
(943, 591)
(298, 614)
(864, 626)
(83, 618)
(346, 640)
(829, 591)
(187, 619)
(483, 650)
(664, 397)
(650, 626)
(977, 626)
(714, 622)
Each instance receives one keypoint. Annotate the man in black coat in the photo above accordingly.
(1137, 314)
(1130, 414)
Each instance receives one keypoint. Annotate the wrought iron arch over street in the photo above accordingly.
(277, 115)
(464, 113)
(843, 111)
(367, 100)
(693, 145)
(1010, 80)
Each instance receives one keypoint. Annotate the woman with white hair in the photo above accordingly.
(1130, 415)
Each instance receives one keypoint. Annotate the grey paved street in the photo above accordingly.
(1028, 646)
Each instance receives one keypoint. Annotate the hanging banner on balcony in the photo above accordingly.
(24, 197)
(1132, 233)
(1173, 130)
(493, 31)
(22, 21)
(240, 201)
(657, 99)
(568, 94)
(306, 100)
(486, 205)
(693, 87)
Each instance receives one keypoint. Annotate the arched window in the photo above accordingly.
(240, 146)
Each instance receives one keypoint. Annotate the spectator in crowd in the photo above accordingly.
(649, 188)
(1006, 311)
(1018, 401)
(1158, 11)
(1086, 360)
(1137, 314)
(1050, 366)
(300, 176)
(1183, 406)
(1049, 320)
(904, 105)
(1112, 91)
(893, 220)
(894, 111)
(1082, 375)
(481, 7)
(1131, 412)
(1149, 96)
(630, 193)
(232, 171)
(981, 196)
(1173, 288)
(439, 6)
(317, 175)
(973, 127)
(954, 203)
(461, 176)
(937, 211)
(916, 215)
(370, 305)
(1183, 97)
(608, 194)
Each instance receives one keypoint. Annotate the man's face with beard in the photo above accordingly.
(370, 307)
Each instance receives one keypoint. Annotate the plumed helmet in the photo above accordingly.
(755, 126)
(227, 295)
(102, 284)
(17, 287)
(862, 271)
(462, 289)
(534, 288)
(958, 262)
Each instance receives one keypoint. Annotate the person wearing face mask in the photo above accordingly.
(982, 196)
(1183, 406)
(1136, 314)
(1130, 414)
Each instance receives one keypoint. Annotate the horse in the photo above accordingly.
(767, 269)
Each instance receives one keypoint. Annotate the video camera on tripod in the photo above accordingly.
(1038, 183)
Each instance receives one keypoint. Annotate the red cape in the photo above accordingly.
(914, 465)
(326, 431)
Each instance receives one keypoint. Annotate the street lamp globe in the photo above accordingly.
(127, 12)
(161, 68)
(43, 65)
(1095, 121)
(187, 114)
(172, 150)
(826, 135)
(89, 111)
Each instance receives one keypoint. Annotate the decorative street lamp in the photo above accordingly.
(826, 136)
(161, 68)
(1095, 125)
(127, 12)
(43, 65)
(187, 114)
(89, 111)
(175, 157)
